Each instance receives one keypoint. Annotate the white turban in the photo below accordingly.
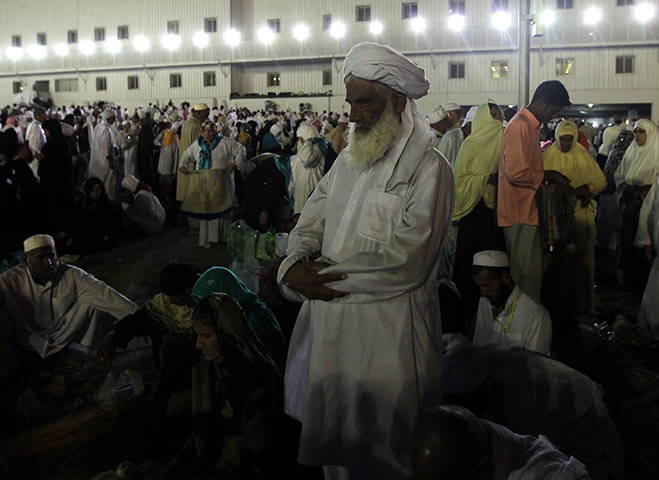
(130, 183)
(379, 63)
(437, 115)
(491, 258)
(107, 114)
(306, 131)
(38, 241)
(471, 114)
(451, 106)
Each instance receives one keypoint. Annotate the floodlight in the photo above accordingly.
(265, 35)
(232, 37)
(644, 12)
(456, 22)
(14, 53)
(547, 17)
(200, 39)
(501, 20)
(171, 41)
(141, 43)
(301, 32)
(376, 27)
(112, 45)
(337, 30)
(61, 49)
(592, 15)
(36, 52)
(418, 24)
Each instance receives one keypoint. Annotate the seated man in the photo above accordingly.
(507, 316)
(450, 442)
(48, 305)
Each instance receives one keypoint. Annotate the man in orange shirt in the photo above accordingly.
(521, 172)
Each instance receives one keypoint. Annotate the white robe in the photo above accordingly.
(450, 144)
(36, 139)
(47, 318)
(648, 234)
(307, 169)
(361, 368)
(129, 153)
(528, 326)
(101, 157)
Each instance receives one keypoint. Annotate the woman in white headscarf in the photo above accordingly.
(101, 161)
(307, 166)
(634, 176)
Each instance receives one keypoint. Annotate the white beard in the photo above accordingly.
(366, 148)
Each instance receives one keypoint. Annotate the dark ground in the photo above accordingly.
(624, 364)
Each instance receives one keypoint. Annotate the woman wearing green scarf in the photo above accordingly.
(210, 196)
(475, 194)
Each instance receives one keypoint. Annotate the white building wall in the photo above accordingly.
(243, 69)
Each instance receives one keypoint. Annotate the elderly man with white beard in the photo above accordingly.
(365, 354)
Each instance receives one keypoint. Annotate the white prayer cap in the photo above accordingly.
(29, 114)
(272, 117)
(130, 183)
(491, 258)
(306, 131)
(379, 63)
(107, 114)
(200, 106)
(38, 241)
(451, 106)
(125, 122)
(471, 114)
(437, 115)
(343, 119)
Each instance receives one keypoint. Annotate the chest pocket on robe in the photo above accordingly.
(380, 213)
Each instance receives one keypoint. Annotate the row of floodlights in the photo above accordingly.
(500, 20)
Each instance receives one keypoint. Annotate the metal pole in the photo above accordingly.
(524, 56)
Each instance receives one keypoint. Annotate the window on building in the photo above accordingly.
(122, 32)
(563, 4)
(72, 36)
(175, 80)
(363, 13)
(133, 82)
(625, 64)
(210, 25)
(101, 84)
(456, 70)
(172, 27)
(564, 66)
(327, 22)
(41, 39)
(16, 41)
(622, 3)
(274, 79)
(327, 77)
(209, 79)
(66, 85)
(456, 7)
(274, 25)
(498, 5)
(17, 87)
(410, 10)
(99, 34)
(499, 69)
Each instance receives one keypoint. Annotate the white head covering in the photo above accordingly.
(200, 106)
(491, 258)
(306, 131)
(470, 114)
(38, 241)
(451, 106)
(107, 114)
(380, 63)
(437, 115)
(640, 164)
(130, 183)
(29, 114)
(343, 119)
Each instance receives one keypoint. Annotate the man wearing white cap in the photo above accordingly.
(307, 166)
(365, 355)
(339, 136)
(439, 122)
(190, 133)
(451, 142)
(48, 304)
(101, 160)
(506, 316)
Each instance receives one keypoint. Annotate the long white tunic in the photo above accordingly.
(362, 367)
(36, 139)
(523, 323)
(450, 144)
(648, 234)
(48, 317)
(130, 153)
(101, 156)
(307, 169)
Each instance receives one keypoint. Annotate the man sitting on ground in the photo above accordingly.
(507, 316)
(45, 305)
(450, 442)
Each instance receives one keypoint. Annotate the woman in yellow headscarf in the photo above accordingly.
(475, 194)
(574, 265)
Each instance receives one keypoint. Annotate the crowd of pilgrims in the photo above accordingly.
(96, 175)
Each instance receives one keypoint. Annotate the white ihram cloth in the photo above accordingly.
(361, 368)
(101, 157)
(529, 327)
(648, 234)
(307, 169)
(47, 318)
(36, 139)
